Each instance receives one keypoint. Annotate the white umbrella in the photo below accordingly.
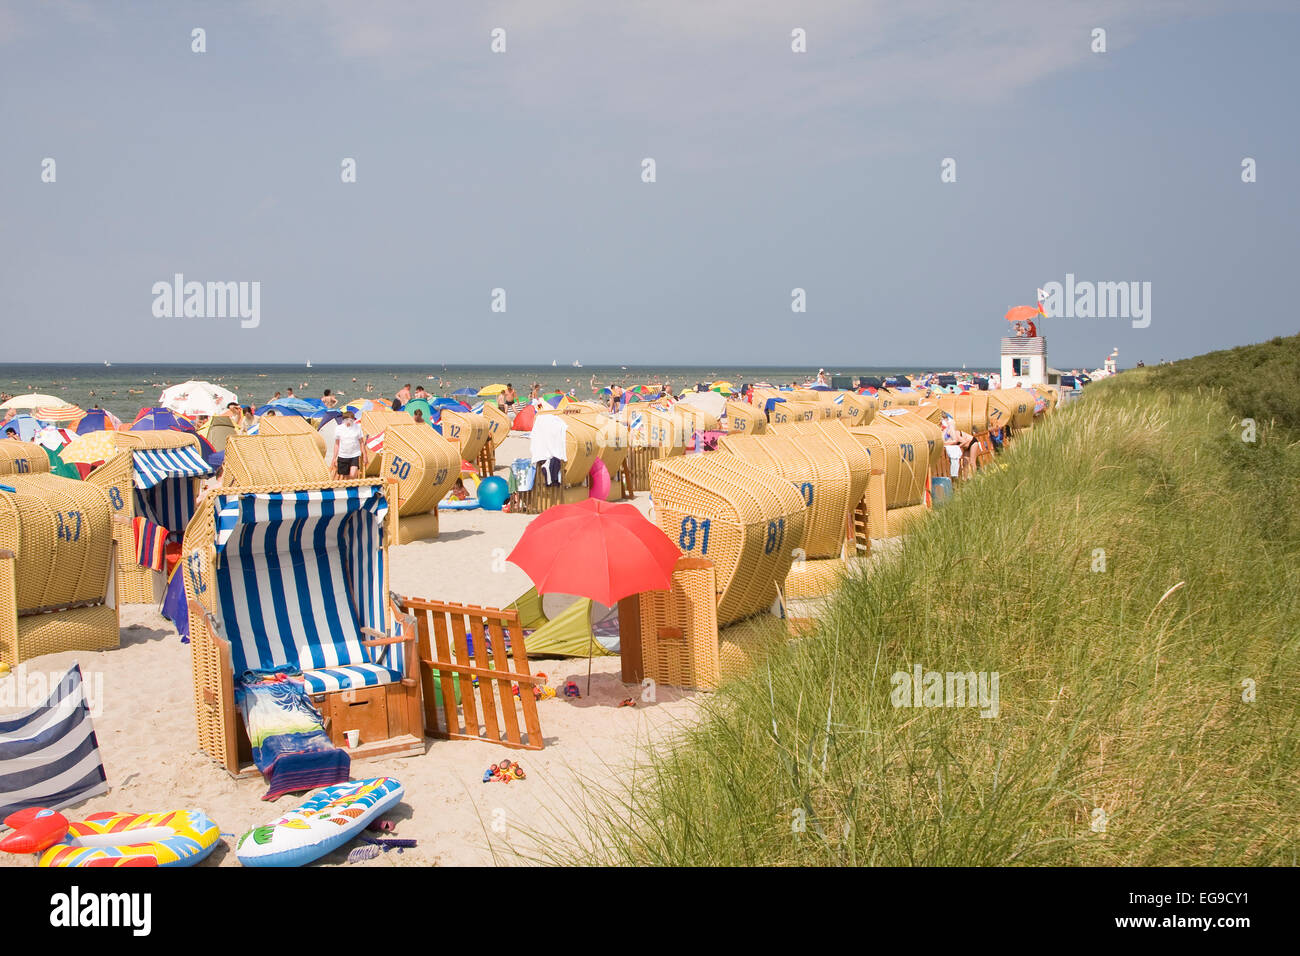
(710, 402)
(33, 401)
(197, 398)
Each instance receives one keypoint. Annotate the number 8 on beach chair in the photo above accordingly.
(295, 578)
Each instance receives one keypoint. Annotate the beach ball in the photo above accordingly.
(492, 493)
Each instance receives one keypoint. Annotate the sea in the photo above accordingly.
(125, 389)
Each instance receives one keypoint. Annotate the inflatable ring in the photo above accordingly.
(174, 838)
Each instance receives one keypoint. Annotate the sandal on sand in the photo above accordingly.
(381, 826)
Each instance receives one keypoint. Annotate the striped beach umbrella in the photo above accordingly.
(58, 414)
(368, 404)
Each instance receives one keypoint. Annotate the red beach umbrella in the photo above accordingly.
(596, 550)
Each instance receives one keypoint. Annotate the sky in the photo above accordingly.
(522, 171)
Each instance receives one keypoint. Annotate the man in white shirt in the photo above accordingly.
(349, 446)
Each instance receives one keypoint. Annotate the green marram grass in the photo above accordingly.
(1149, 712)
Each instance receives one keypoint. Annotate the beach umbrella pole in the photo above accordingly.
(591, 639)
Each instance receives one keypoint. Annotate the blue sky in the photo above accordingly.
(522, 171)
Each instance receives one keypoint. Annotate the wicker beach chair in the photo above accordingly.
(745, 419)
(612, 446)
(373, 424)
(746, 520)
(22, 458)
(791, 411)
(264, 459)
(269, 425)
(423, 467)
(466, 430)
(856, 409)
(899, 471)
(817, 471)
(262, 594)
(152, 475)
(56, 558)
(924, 419)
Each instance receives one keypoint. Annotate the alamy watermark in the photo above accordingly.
(1098, 300)
(922, 688)
(208, 300)
(23, 688)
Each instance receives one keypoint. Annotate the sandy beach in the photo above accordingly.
(147, 735)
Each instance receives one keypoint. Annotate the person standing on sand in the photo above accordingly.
(349, 456)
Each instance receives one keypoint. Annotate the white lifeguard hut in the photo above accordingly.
(1024, 360)
(1112, 361)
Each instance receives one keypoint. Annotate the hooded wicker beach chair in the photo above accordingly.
(423, 466)
(745, 419)
(56, 558)
(272, 459)
(296, 576)
(22, 458)
(466, 430)
(612, 447)
(269, 425)
(899, 471)
(153, 475)
(373, 425)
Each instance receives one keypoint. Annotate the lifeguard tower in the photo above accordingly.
(1024, 360)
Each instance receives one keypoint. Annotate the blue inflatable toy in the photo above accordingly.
(492, 493)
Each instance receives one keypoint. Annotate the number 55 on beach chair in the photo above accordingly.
(295, 578)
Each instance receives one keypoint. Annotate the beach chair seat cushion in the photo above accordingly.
(326, 679)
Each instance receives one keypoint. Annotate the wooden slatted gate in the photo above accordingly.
(487, 710)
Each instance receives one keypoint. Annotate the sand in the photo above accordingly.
(147, 735)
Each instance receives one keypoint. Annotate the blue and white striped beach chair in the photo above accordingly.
(297, 579)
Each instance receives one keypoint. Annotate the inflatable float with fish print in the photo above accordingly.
(325, 822)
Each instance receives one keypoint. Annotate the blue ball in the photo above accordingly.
(492, 493)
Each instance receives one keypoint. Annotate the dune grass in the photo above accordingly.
(1127, 731)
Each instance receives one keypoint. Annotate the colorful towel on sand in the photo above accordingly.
(150, 543)
(290, 746)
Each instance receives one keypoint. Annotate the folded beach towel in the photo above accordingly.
(290, 746)
(150, 543)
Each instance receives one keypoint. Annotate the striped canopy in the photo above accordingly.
(58, 413)
(299, 573)
(153, 466)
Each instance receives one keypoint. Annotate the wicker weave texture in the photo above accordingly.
(73, 629)
(812, 579)
(22, 458)
(857, 409)
(466, 430)
(745, 419)
(422, 464)
(857, 460)
(746, 520)
(270, 459)
(652, 428)
(979, 412)
(269, 425)
(899, 520)
(60, 531)
(785, 412)
(498, 423)
(901, 457)
(818, 472)
(679, 628)
(931, 444)
(612, 440)
(893, 398)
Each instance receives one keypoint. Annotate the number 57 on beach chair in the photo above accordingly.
(296, 578)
